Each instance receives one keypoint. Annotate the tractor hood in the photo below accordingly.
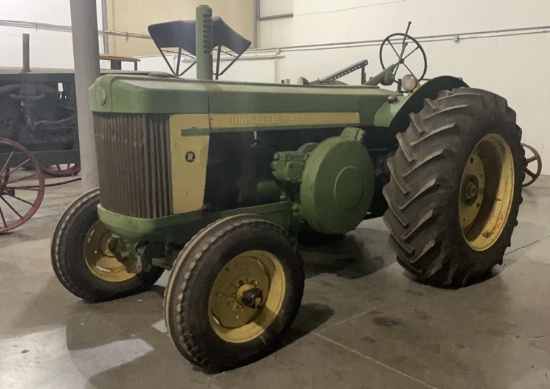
(154, 95)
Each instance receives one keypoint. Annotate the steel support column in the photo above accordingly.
(86, 65)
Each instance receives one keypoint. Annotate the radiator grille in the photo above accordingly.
(134, 164)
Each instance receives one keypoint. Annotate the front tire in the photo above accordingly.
(82, 261)
(455, 187)
(233, 292)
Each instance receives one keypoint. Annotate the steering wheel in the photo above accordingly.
(407, 51)
(532, 165)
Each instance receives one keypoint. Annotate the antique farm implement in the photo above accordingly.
(214, 181)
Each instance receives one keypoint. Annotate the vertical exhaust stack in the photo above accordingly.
(205, 39)
(26, 54)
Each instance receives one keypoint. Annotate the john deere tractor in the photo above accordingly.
(214, 181)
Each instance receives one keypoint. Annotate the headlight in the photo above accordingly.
(101, 95)
(409, 82)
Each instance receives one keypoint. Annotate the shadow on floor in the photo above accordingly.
(353, 256)
(309, 318)
(126, 340)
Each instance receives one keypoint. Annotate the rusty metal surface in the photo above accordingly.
(21, 186)
(532, 165)
(61, 170)
(134, 164)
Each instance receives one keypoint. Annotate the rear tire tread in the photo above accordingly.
(422, 181)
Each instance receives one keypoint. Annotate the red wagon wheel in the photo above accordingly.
(532, 165)
(62, 170)
(21, 190)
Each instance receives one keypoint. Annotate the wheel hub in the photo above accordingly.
(486, 192)
(471, 190)
(6, 191)
(239, 292)
(107, 242)
(100, 259)
(246, 296)
(250, 296)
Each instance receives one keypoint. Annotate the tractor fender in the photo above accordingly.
(394, 113)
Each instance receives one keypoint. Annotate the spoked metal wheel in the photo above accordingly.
(62, 170)
(532, 165)
(407, 53)
(21, 190)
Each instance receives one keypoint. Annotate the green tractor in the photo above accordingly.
(215, 180)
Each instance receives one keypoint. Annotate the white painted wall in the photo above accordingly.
(517, 67)
(269, 8)
(135, 15)
(49, 49)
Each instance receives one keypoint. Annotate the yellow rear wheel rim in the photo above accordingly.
(229, 317)
(99, 259)
(486, 192)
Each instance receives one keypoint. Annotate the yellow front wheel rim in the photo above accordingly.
(486, 192)
(232, 316)
(99, 259)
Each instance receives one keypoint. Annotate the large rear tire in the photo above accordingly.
(82, 260)
(233, 292)
(455, 187)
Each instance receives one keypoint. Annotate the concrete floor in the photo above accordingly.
(363, 323)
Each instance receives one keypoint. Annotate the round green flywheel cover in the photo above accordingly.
(337, 186)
